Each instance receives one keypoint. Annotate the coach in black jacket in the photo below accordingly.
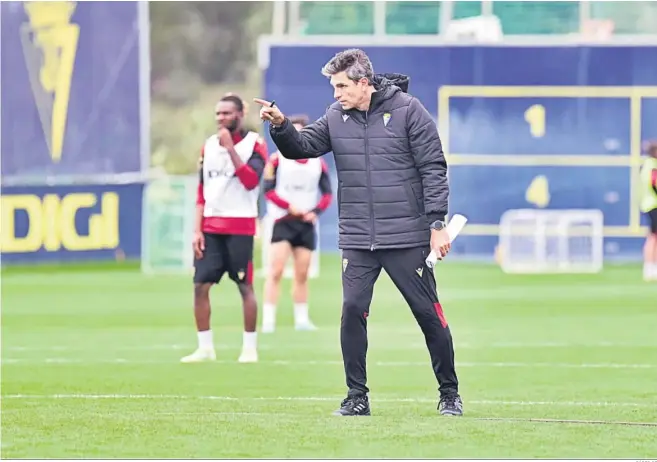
(392, 199)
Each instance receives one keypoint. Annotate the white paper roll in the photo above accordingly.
(453, 229)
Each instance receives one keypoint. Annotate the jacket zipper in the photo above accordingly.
(369, 187)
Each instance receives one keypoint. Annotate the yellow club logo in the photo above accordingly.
(50, 43)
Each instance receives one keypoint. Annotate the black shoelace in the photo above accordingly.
(449, 401)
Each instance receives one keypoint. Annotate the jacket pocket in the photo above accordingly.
(419, 197)
(412, 201)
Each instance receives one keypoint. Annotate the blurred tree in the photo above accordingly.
(197, 43)
(199, 51)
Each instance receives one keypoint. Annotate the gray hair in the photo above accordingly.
(354, 62)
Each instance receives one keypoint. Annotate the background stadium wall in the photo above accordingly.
(75, 129)
(556, 125)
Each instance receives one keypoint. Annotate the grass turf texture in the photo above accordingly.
(90, 369)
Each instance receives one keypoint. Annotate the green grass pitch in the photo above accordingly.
(90, 368)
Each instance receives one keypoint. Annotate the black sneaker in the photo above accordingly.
(450, 405)
(358, 405)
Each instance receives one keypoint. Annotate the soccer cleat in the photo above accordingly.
(355, 406)
(305, 326)
(200, 355)
(450, 405)
(249, 355)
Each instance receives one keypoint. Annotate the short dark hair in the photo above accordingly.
(236, 100)
(354, 62)
(300, 119)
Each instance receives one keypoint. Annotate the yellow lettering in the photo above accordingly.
(50, 231)
(52, 223)
(32, 241)
(70, 205)
(110, 213)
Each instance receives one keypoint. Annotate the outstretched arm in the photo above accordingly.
(312, 141)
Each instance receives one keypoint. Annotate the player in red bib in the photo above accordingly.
(232, 163)
(297, 191)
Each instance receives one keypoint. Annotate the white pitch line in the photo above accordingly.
(410, 346)
(374, 399)
(566, 421)
(175, 347)
(211, 414)
(293, 363)
(532, 420)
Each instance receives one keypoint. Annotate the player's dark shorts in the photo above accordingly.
(652, 221)
(225, 253)
(297, 233)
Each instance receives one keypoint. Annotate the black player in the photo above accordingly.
(232, 163)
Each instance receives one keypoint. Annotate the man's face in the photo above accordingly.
(227, 115)
(298, 126)
(349, 94)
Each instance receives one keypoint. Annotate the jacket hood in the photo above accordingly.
(385, 81)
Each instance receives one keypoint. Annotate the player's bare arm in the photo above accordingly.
(250, 172)
(198, 241)
(226, 140)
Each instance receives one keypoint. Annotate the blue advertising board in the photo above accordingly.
(541, 126)
(81, 222)
(74, 89)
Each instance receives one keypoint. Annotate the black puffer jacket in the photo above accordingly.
(392, 174)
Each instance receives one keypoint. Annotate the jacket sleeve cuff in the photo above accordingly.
(433, 216)
(281, 127)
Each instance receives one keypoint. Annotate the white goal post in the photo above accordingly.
(167, 228)
(551, 241)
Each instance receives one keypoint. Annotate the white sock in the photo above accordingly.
(249, 340)
(268, 314)
(653, 271)
(301, 313)
(205, 340)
